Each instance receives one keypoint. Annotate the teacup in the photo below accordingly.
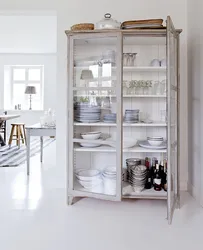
(155, 63)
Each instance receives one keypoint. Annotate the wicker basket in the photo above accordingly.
(82, 26)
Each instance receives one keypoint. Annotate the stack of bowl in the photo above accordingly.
(155, 140)
(110, 118)
(90, 136)
(109, 178)
(131, 162)
(89, 178)
(138, 177)
(131, 115)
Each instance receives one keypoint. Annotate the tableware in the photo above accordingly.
(87, 174)
(145, 144)
(89, 145)
(109, 178)
(91, 135)
(155, 138)
(86, 113)
(91, 184)
(155, 143)
(163, 63)
(137, 176)
(107, 23)
(155, 63)
(131, 115)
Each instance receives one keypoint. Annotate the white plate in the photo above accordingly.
(87, 121)
(145, 144)
(89, 145)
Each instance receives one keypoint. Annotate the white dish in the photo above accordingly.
(87, 121)
(155, 138)
(88, 174)
(91, 135)
(90, 184)
(89, 145)
(155, 63)
(145, 144)
(155, 143)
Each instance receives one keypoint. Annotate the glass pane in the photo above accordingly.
(95, 120)
(19, 96)
(142, 111)
(34, 74)
(19, 74)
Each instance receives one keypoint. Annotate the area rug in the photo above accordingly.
(13, 156)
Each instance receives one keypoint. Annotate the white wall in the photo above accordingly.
(28, 34)
(195, 101)
(30, 40)
(70, 12)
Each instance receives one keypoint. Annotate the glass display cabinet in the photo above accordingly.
(123, 111)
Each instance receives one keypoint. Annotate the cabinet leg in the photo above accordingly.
(70, 200)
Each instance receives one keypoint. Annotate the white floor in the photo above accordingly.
(34, 216)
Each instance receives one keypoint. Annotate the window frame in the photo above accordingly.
(27, 82)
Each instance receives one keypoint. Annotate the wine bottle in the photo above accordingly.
(162, 174)
(153, 170)
(157, 179)
(165, 174)
(148, 184)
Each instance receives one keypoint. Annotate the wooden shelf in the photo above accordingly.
(130, 69)
(103, 124)
(108, 149)
(128, 193)
(124, 96)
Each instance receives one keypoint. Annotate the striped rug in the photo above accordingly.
(13, 157)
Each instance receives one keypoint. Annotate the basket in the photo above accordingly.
(82, 26)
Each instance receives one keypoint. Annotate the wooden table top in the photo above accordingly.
(8, 117)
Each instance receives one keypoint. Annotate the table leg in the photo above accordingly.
(28, 150)
(41, 148)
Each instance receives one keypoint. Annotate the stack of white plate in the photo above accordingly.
(110, 118)
(89, 178)
(145, 144)
(84, 112)
(131, 115)
(138, 177)
(109, 178)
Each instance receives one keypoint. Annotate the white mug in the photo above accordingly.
(155, 63)
(163, 63)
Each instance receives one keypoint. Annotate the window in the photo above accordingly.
(20, 78)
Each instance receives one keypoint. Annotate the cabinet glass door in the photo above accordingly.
(94, 120)
(172, 115)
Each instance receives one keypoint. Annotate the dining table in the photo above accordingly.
(3, 118)
(39, 131)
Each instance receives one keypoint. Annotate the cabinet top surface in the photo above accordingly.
(155, 32)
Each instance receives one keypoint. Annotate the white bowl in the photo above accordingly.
(154, 143)
(91, 135)
(155, 138)
(90, 184)
(88, 175)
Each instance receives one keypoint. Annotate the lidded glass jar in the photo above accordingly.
(108, 23)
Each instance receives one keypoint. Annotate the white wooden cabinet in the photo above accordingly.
(108, 85)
